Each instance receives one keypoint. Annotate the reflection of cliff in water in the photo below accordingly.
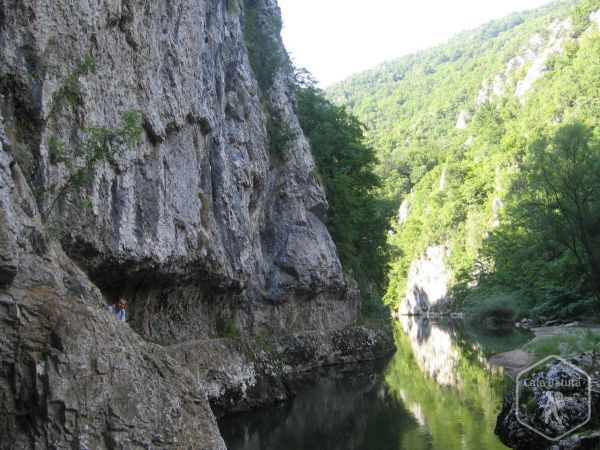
(433, 349)
(447, 385)
(437, 392)
(350, 409)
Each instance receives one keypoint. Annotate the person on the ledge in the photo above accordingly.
(118, 309)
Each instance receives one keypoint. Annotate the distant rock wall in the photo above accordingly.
(538, 68)
(427, 286)
(534, 57)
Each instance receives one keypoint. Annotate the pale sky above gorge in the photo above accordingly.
(336, 38)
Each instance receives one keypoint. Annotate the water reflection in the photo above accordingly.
(433, 350)
(437, 392)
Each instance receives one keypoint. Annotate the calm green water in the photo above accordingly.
(437, 392)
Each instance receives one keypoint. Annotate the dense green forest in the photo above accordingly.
(492, 140)
(358, 217)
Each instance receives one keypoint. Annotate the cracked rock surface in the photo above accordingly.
(71, 376)
(199, 221)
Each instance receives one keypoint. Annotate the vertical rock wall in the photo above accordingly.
(427, 287)
(200, 224)
(71, 376)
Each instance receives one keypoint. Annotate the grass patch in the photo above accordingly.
(569, 342)
(226, 327)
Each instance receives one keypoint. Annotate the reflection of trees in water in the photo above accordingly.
(400, 404)
(453, 393)
(490, 341)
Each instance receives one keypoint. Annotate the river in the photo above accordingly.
(438, 391)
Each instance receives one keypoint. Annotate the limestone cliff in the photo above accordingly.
(427, 286)
(199, 223)
(198, 226)
(70, 375)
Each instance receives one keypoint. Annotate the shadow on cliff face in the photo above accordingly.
(70, 374)
(334, 411)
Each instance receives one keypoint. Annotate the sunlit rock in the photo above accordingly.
(463, 119)
(427, 288)
(404, 211)
(538, 66)
(595, 18)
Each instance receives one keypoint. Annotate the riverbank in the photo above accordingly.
(240, 374)
(561, 340)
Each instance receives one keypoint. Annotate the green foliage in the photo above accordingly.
(92, 145)
(581, 15)
(231, 5)
(551, 222)
(357, 219)
(563, 197)
(267, 57)
(226, 326)
(70, 86)
(373, 311)
(488, 123)
(494, 309)
(280, 135)
(568, 343)
(23, 157)
(467, 188)
(96, 144)
(260, 32)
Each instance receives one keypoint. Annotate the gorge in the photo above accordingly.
(303, 268)
(201, 226)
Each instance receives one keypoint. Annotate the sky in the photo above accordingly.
(335, 38)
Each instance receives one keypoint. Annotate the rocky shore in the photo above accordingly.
(241, 374)
(538, 411)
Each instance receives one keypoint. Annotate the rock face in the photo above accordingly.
(427, 288)
(199, 223)
(200, 227)
(464, 117)
(240, 374)
(534, 57)
(71, 376)
(538, 66)
(572, 411)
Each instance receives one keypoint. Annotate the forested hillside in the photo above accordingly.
(491, 144)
